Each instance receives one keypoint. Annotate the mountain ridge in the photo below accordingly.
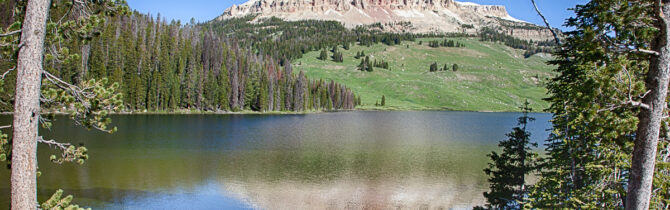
(414, 16)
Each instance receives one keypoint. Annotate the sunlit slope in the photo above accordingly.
(491, 76)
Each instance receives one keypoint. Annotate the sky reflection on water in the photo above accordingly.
(330, 160)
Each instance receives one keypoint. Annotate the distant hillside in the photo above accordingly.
(415, 16)
(490, 75)
(497, 71)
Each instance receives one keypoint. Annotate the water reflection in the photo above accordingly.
(356, 160)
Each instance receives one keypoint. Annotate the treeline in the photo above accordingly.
(291, 40)
(165, 66)
(530, 47)
(445, 43)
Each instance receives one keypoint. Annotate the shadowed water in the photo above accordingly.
(345, 160)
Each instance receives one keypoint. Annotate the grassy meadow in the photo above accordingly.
(491, 76)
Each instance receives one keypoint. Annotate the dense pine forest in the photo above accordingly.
(167, 66)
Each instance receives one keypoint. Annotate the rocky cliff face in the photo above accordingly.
(425, 16)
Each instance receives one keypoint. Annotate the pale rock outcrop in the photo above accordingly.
(425, 16)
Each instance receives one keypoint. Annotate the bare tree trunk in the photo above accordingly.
(27, 106)
(646, 142)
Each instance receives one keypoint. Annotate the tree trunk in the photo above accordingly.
(646, 142)
(27, 106)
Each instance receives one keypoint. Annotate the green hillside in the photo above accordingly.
(491, 76)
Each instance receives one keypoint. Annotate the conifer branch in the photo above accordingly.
(53, 143)
(7, 72)
(629, 101)
(621, 48)
(10, 33)
(77, 92)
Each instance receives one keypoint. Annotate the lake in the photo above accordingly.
(342, 160)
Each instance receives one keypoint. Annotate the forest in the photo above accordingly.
(168, 66)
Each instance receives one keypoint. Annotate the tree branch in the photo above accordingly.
(77, 92)
(53, 143)
(10, 33)
(7, 72)
(558, 41)
(621, 48)
(629, 101)
(5, 126)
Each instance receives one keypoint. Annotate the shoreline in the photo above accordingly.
(247, 112)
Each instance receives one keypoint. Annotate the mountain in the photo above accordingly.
(415, 16)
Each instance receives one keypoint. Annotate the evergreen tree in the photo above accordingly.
(323, 55)
(433, 67)
(383, 100)
(508, 170)
(454, 67)
(598, 117)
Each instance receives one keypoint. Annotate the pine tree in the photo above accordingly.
(383, 100)
(454, 67)
(598, 118)
(323, 55)
(433, 67)
(508, 170)
(368, 64)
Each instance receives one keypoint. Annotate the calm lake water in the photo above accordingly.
(345, 160)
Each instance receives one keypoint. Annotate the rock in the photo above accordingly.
(425, 16)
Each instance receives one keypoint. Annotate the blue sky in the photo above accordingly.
(204, 10)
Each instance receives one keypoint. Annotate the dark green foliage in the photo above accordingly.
(383, 100)
(359, 54)
(324, 55)
(366, 65)
(337, 55)
(531, 47)
(589, 152)
(454, 67)
(467, 26)
(445, 43)
(433, 67)
(298, 37)
(508, 170)
(381, 64)
(167, 66)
